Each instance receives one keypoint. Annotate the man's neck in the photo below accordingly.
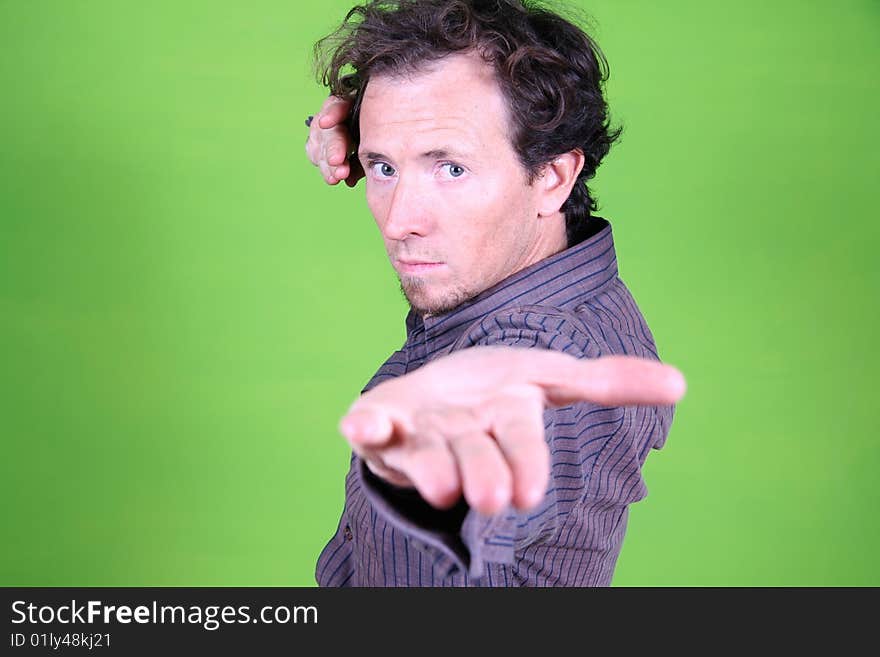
(551, 240)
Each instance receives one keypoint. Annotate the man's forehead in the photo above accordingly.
(454, 104)
(433, 139)
(454, 84)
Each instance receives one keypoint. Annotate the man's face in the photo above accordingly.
(444, 184)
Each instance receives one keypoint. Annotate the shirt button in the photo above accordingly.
(346, 533)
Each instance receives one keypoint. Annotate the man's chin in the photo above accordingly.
(425, 301)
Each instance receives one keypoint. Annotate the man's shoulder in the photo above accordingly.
(598, 326)
(530, 326)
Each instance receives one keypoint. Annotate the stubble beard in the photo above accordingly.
(413, 290)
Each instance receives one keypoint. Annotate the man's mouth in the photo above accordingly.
(411, 266)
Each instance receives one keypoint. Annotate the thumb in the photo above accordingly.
(366, 426)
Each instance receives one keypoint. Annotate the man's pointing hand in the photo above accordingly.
(472, 423)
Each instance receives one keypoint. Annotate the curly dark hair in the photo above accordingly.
(550, 71)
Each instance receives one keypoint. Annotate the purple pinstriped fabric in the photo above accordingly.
(572, 302)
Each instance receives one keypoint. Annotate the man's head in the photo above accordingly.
(478, 124)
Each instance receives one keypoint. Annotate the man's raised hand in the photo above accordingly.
(329, 143)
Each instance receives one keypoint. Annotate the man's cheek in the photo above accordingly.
(376, 206)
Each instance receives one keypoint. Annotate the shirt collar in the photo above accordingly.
(565, 279)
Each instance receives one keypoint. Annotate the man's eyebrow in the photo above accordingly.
(443, 153)
(371, 156)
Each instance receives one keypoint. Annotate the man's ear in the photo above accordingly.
(556, 180)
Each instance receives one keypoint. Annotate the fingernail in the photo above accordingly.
(677, 383)
(534, 497)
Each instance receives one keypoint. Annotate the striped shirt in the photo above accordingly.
(571, 302)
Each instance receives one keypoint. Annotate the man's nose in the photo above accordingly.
(408, 214)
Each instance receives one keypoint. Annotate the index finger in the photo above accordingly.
(607, 380)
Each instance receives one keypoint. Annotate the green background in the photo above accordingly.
(178, 289)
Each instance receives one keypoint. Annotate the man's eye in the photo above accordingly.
(454, 170)
(383, 169)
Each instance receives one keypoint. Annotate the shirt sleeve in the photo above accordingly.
(578, 436)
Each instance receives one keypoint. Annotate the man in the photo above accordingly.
(499, 445)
